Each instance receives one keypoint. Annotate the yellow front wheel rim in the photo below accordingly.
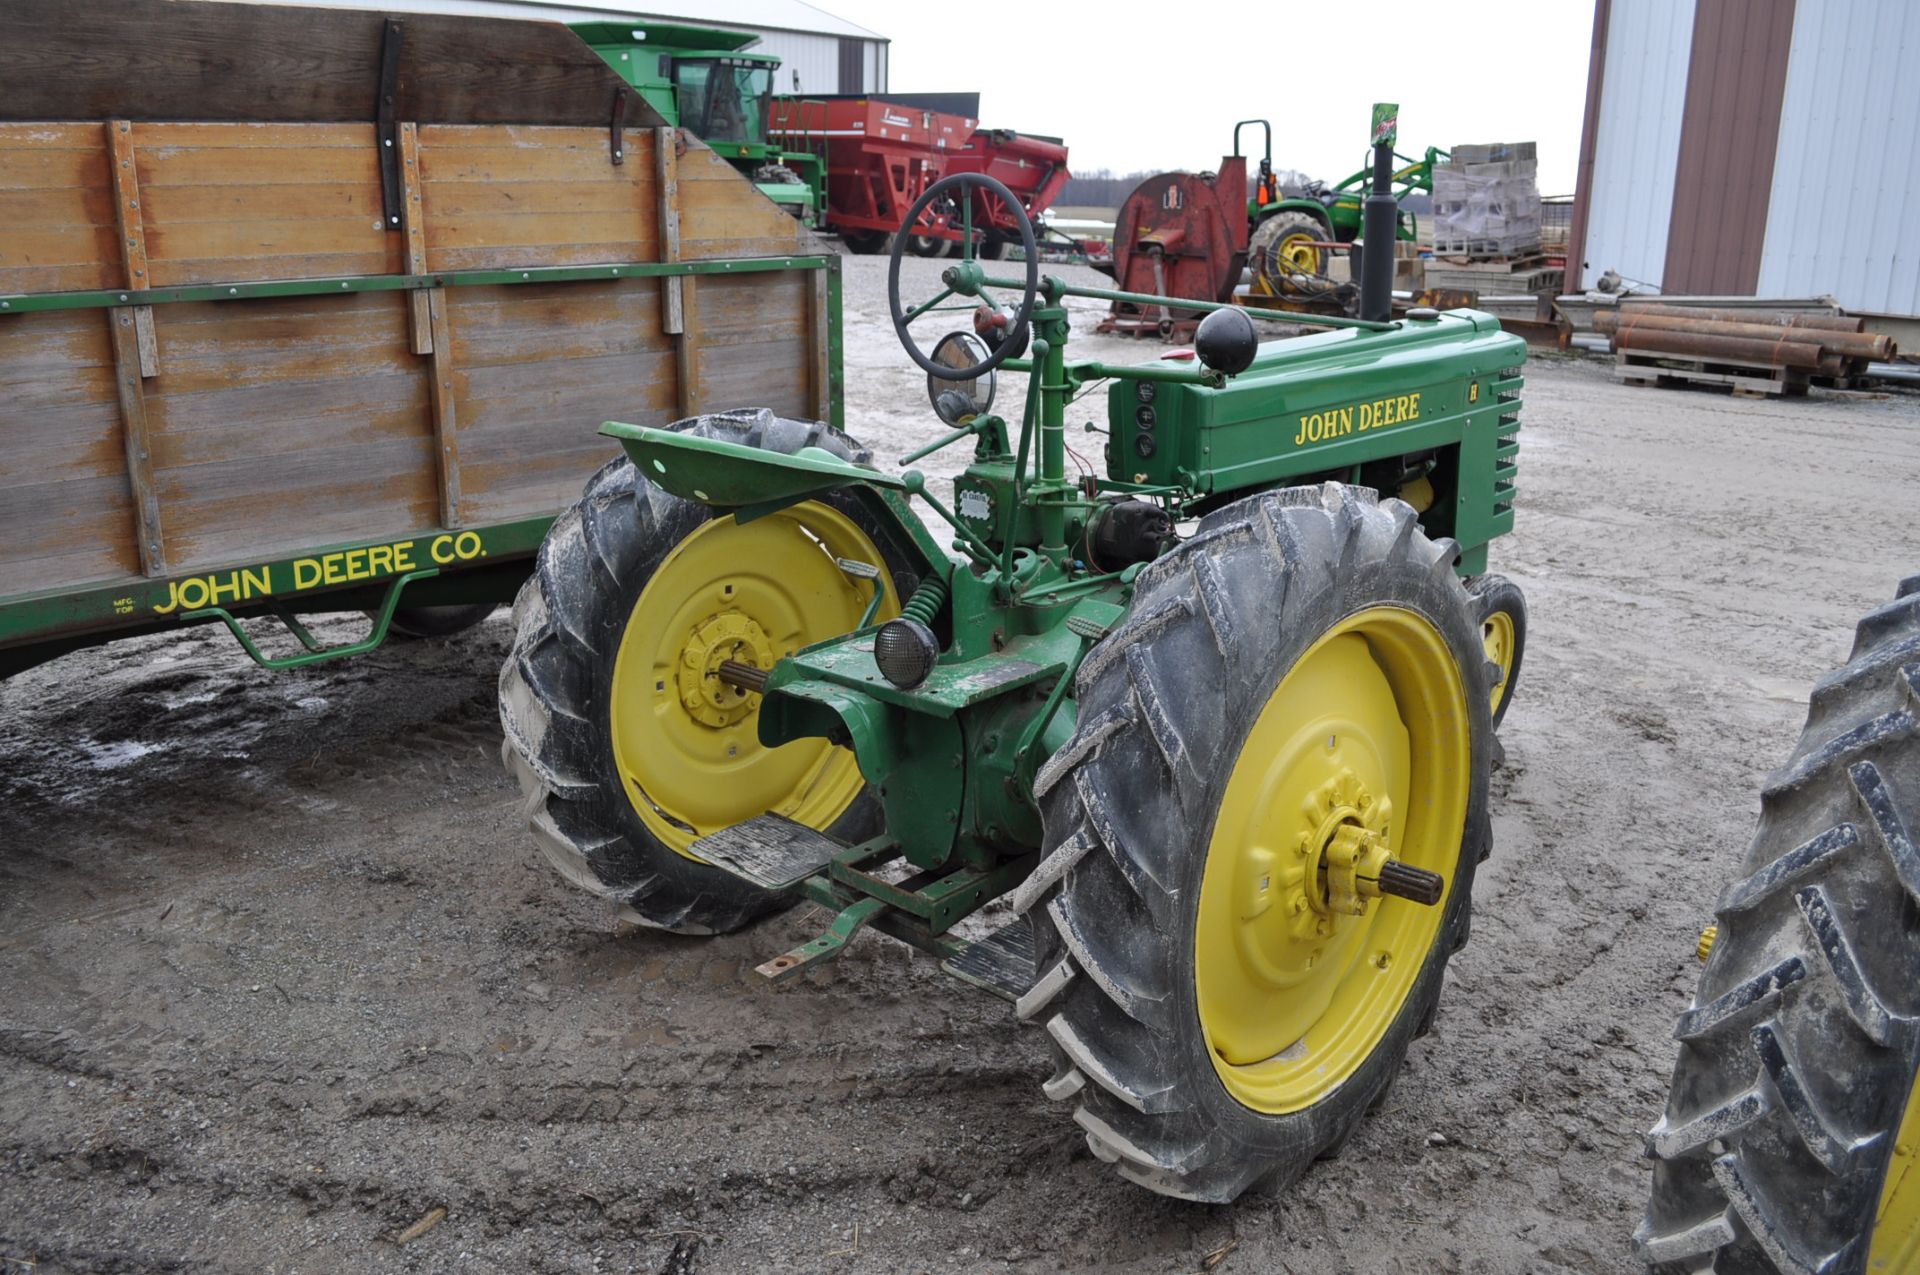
(1367, 732)
(686, 743)
(1496, 633)
(1896, 1227)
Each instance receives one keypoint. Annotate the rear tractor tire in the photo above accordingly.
(1286, 241)
(1303, 677)
(1792, 1127)
(626, 743)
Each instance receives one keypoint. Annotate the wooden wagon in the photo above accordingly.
(304, 309)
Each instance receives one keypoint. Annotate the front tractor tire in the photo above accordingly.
(1792, 1127)
(626, 744)
(1305, 674)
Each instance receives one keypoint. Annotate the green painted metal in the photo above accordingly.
(313, 578)
(29, 303)
(314, 652)
(709, 82)
(716, 472)
(1394, 405)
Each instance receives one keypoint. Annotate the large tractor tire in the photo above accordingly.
(1287, 241)
(1307, 667)
(626, 745)
(1793, 1124)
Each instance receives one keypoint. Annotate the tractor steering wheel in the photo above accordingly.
(965, 279)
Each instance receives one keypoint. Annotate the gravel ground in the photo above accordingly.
(283, 976)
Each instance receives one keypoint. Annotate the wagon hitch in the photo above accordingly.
(315, 652)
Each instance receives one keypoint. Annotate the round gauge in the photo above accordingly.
(1145, 416)
(1145, 391)
(1145, 445)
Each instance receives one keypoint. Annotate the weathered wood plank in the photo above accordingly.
(70, 440)
(667, 182)
(286, 420)
(283, 63)
(130, 223)
(293, 164)
(820, 404)
(66, 531)
(413, 218)
(534, 323)
(133, 419)
(251, 508)
(686, 350)
(446, 439)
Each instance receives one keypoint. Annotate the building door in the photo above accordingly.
(853, 65)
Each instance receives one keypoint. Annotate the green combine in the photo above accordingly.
(704, 80)
(1209, 729)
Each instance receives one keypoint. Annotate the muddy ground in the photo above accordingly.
(283, 976)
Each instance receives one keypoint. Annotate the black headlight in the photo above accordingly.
(906, 651)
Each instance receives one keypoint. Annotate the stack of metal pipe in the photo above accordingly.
(1817, 344)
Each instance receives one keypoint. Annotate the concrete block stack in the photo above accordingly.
(1486, 202)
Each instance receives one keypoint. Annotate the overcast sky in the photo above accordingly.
(1138, 87)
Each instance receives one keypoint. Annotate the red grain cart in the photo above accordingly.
(880, 155)
(1033, 168)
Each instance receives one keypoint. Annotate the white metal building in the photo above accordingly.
(818, 52)
(1755, 148)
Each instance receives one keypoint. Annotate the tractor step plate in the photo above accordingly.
(772, 852)
(1001, 963)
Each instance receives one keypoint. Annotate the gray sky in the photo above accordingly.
(1130, 89)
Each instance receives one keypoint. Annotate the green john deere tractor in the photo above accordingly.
(1214, 726)
(1289, 227)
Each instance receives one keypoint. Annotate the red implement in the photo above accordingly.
(1179, 235)
(1033, 168)
(880, 155)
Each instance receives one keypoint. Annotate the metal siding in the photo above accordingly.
(1638, 138)
(1846, 179)
(1731, 129)
(815, 57)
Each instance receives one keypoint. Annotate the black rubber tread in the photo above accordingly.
(1164, 704)
(554, 687)
(1260, 244)
(864, 243)
(440, 621)
(1800, 1047)
(1497, 593)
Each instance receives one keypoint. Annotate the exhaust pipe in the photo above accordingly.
(1378, 217)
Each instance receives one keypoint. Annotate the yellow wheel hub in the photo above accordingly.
(1360, 757)
(1896, 1226)
(1298, 250)
(685, 741)
(1496, 633)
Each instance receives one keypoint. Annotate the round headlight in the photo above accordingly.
(906, 651)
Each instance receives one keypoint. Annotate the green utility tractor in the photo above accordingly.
(1791, 1136)
(1203, 737)
(1290, 227)
(702, 79)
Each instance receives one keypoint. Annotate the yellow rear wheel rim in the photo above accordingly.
(1369, 727)
(1496, 632)
(1297, 250)
(1896, 1227)
(687, 744)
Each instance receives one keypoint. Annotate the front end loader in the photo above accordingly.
(1213, 726)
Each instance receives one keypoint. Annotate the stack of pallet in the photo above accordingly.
(1753, 352)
